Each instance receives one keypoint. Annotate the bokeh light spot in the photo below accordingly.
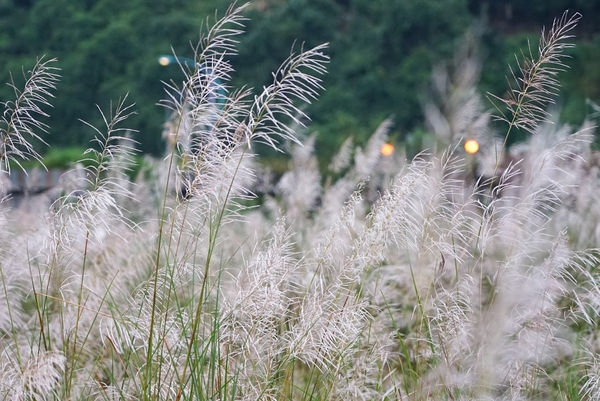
(164, 61)
(471, 146)
(387, 149)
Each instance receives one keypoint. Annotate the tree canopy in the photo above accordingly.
(382, 53)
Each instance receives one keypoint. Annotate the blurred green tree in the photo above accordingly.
(382, 52)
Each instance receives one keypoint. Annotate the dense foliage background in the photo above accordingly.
(382, 53)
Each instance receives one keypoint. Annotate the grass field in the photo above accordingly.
(451, 276)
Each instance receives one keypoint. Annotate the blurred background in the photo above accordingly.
(382, 53)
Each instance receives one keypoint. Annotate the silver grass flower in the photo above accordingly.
(255, 308)
(365, 161)
(96, 207)
(535, 83)
(300, 188)
(37, 379)
(342, 158)
(295, 80)
(455, 110)
(20, 121)
(590, 390)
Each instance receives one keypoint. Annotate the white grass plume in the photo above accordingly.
(297, 79)
(37, 379)
(20, 122)
(96, 207)
(535, 80)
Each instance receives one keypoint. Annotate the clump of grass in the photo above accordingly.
(389, 279)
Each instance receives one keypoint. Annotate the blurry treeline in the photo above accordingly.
(382, 54)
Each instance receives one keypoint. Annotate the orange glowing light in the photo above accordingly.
(471, 146)
(164, 61)
(387, 149)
